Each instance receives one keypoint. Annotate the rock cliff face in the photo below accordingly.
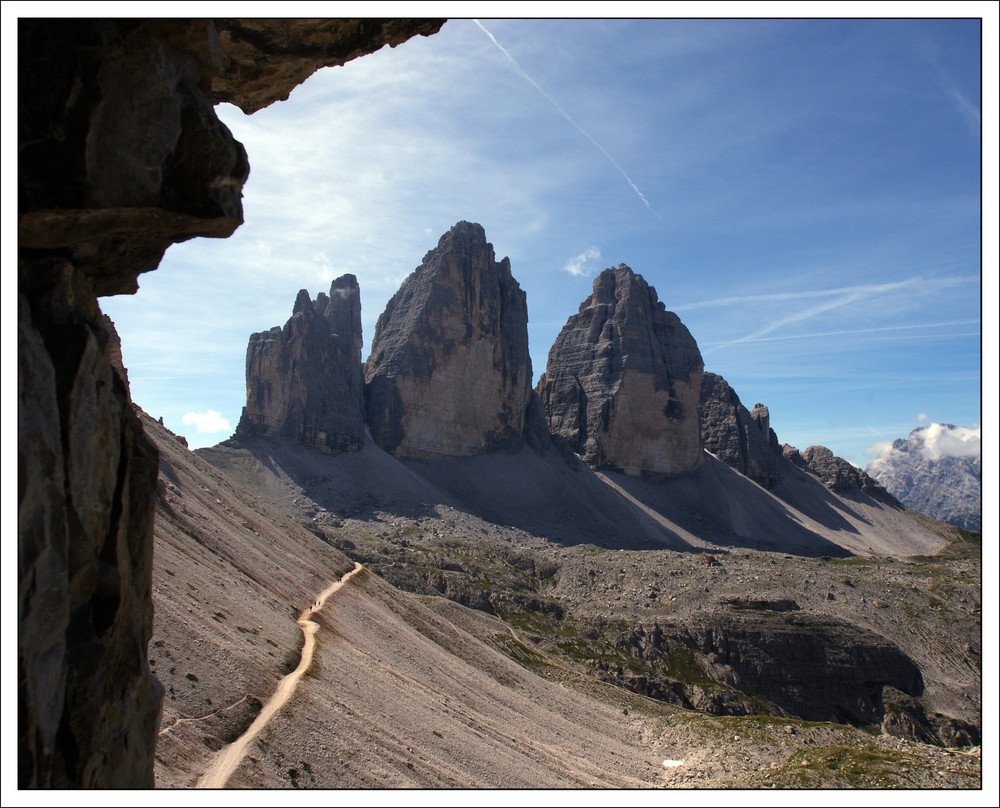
(120, 154)
(741, 439)
(449, 371)
(936, 470)
(836, 473)
(304, 381)
(623, 381)
(87, 705)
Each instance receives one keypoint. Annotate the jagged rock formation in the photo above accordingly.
(264, 60)
(623, 381)
(936, 470)
(87, 705)
(304, 381)
(115, 350)
(120, 154)
(741, 439)
(449, 371)
(835, 472)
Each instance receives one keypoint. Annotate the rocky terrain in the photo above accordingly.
(936, 470)
(474, 653)
(780, 588)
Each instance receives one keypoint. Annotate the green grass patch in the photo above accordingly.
(843, 766)
(523, 655)
(852, 561)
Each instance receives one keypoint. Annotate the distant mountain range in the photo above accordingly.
(937, 470)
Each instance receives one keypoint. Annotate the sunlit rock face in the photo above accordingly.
(449, 372)
(120, 154)
(304, 381)
(741, 439)
(836, 473)
(623, 381)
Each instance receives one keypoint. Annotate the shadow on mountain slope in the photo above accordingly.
(558, 498)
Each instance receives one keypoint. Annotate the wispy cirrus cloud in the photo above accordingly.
(859, 290)
(855, 331)
(580, 129)
(578, 264)
(832, 299)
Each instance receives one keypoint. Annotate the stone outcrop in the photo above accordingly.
(264, 60)
(304, 381)
(87, 705)
(449, 372)
(120, 154)
(836, 473)
(115, 350)
(623, 381)
(816, 667)
(741, 439)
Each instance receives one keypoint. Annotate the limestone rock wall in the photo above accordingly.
(741, 439)
(623, 381)
(88, 707)
(120, 154)
(304, 381)
(449, 371)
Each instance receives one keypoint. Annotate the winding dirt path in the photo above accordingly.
(229, 757)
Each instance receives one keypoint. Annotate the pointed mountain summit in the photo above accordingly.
(623, 381)
(304, 381)
(449, 372)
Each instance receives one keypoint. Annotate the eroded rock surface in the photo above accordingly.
(623, 381)
(264, 60)
(836, 473)
(87, 705)
(449, 371)
(741, 439)
(304, 381)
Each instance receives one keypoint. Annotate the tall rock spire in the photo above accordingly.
(304, 381)
(449, 372)
(623, 381)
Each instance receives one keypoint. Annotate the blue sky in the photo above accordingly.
(805, 194)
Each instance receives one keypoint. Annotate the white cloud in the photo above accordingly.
(934, 441)
(943, 440)
(880, 454)
(922, 418)
(210, 421)
(577, 265)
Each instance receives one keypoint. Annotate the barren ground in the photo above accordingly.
(409, 689)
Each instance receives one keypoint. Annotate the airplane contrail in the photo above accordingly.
(551, 100)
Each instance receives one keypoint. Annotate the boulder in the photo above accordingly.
(623, 381)
(304, 381)
(449, 372)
